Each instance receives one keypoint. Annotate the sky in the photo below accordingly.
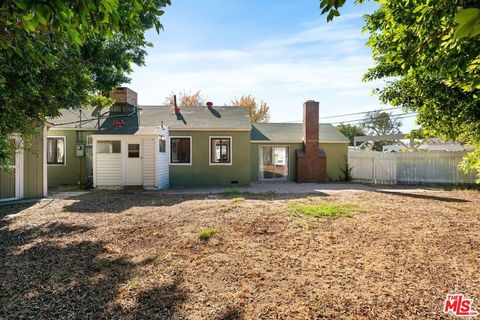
(279, 51)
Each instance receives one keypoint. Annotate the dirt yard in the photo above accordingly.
(134, 255)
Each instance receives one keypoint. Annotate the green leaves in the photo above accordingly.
(468, 21)
(66, 54)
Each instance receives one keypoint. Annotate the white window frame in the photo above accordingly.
(210, 151)
(65, 151)
(170, 153)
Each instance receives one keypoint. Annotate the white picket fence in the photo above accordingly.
(407, 167)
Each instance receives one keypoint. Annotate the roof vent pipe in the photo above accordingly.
(177, 109)
(210, 105)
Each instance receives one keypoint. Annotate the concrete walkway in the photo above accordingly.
(296, 188)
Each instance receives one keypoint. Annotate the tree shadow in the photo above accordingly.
(422, 196)
(120, 201)
(47, 274)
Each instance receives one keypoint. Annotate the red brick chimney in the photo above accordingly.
(311, 161)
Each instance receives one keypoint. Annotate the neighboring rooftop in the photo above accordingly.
(293, 132)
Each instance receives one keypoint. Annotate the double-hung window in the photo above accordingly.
(180, 150)
(220, 150)
(56, 150)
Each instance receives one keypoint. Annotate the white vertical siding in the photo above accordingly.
(109, 169)
(149, 148)
(163, 179)
(408, 167)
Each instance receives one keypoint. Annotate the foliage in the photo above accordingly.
(207, 233)
(350, 131)
(259, 112)
(322, 209)
(186, 99)
(429, 53)
(380, 123)
(60, 54)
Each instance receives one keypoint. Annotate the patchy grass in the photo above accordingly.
(226, 209)
(207, 233)
(322, 209)
(237, 192)
(238, 200)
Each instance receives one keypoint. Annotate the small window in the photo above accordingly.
(180, 150)
(56, 150)
(162, 144)
(220, 150)
(109, 147)
(134, 150)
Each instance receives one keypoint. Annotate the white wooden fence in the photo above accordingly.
(407, 167)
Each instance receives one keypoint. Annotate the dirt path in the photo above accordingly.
(130, 255)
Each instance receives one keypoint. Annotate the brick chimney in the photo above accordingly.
(311, 161)
(124, 95)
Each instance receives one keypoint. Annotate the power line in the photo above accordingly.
(395, 117)
(349, 114)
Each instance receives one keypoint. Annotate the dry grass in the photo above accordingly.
(131, 255)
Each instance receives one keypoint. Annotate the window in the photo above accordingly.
(162, 144)
(56, 150)
(134, 150)
(220, 150)
(180, 150)
(109, 147)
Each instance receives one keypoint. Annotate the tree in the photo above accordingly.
(429, 54)
(65, 54)
(259, 112)
(380, 123)
(350, 131)
(186, 99)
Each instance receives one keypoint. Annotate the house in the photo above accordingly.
(158, 146)
(27, 177)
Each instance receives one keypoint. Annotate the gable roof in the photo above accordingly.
(293, 132)
(195, 118)
(189, 118)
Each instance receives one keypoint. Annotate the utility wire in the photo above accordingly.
(395, 117)
(349, 114)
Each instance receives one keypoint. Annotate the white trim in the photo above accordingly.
(64, 164)
(18, 168)
(260, 162)
(170, 154)
(209, 129)
(94, 160)
(45, 174)
(210, 151)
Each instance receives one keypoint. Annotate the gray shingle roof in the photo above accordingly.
(221, 118)
(218, 118)
(293, 132)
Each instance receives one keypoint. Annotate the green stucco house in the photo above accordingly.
(27, 176)
(157, 147)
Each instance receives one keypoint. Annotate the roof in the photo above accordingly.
(194, 118)
(71, 119)
(189, 118)
(293, 132)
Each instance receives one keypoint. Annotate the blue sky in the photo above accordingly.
(280, 51)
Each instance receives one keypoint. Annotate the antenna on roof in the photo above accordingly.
(177, 109)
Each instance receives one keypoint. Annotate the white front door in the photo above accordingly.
(133, 163)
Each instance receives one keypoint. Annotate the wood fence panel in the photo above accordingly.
(408, 167)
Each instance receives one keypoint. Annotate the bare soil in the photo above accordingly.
(137, 255)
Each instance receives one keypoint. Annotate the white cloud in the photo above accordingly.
(322, 62)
